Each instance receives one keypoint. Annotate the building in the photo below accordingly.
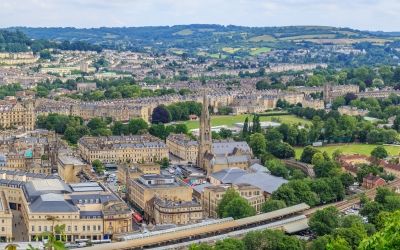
(129, 172)
(353, 111)
(314, 104)
(69, 168)
(122, 149)
(148, 186)
(86, 86)
(181, 146)
(257, 177)
(88, 210)
(176, 212)
(212, 195)
(15, 114)
(372, 181)
(5, 218)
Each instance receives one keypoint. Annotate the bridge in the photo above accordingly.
(304, 167)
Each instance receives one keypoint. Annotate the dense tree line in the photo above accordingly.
(178, 111)
(17, 41)
(334, 127)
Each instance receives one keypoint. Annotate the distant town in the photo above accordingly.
(168, 148)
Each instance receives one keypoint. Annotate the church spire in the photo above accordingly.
(205, 140)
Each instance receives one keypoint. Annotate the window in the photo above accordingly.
(69, 228)
(33, 228)
(76, 228)
(83, 228)
(40, 228)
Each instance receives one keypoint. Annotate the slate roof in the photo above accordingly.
(51, 202)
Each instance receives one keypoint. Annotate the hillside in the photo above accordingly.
(213, 38)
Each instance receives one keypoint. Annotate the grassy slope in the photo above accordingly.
(364, 149)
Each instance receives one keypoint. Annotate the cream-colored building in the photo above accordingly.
(123, 149)
(212, 196)
(183, 147)
(17, 58)
(69, 168)
(315, 104)
(88, 210)
(130, 172)
(176, 212)
(353, 111)
(15, 114)
(5, 219)
(146, 187)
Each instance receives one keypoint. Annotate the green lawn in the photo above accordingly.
(355, 148)
(230, 120)
(256, 51)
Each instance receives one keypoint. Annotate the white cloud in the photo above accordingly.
(362, 14)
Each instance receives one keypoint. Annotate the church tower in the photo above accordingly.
(205, 142)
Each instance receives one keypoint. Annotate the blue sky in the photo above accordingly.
(360, 14)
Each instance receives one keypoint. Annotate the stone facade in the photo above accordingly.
(123, 149)
(15, 114)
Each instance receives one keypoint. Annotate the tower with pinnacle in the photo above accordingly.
(205, 140)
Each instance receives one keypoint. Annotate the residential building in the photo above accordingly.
(122, 149)
(372, 181)
(129, 172)
(181, 146)
(15, 114)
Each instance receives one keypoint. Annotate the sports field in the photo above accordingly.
(354, 148)
(230, 120)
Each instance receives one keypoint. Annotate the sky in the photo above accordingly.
(360, 14)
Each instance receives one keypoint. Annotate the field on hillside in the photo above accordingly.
(230, 120)
(355, 148)
(256, 51)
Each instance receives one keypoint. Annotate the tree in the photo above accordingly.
(136, 125)
(308, 153)
(230, 244)
(281, 150)
(96, 123)
(272, 205)
(201, 246)
(379, 152)
(317, 159)
(386, 238)
(272, 240)
(245, 127)
(238, 208)
(258, 143)
(273, 135)
(396, 123)
(324, 221)
(165, 162)
(256, 124)
(161, 114)
(98, 166)
(229, 195)
(338, 244)
(349, 97)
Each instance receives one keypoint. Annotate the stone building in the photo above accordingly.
(181, 146)
(148, 186)
(212, 196)
(5, 218)
(69, 168)
(122, 149)
(88, 210)
(175, 212)
(15, 114)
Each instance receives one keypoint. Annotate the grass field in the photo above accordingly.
(230, 120)
(355, 148)
(230, 50)
(256, 51)
(184, 32)
(263, 38)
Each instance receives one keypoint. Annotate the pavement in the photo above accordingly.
(18, 227)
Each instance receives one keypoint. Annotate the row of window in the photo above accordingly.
(68, 229)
